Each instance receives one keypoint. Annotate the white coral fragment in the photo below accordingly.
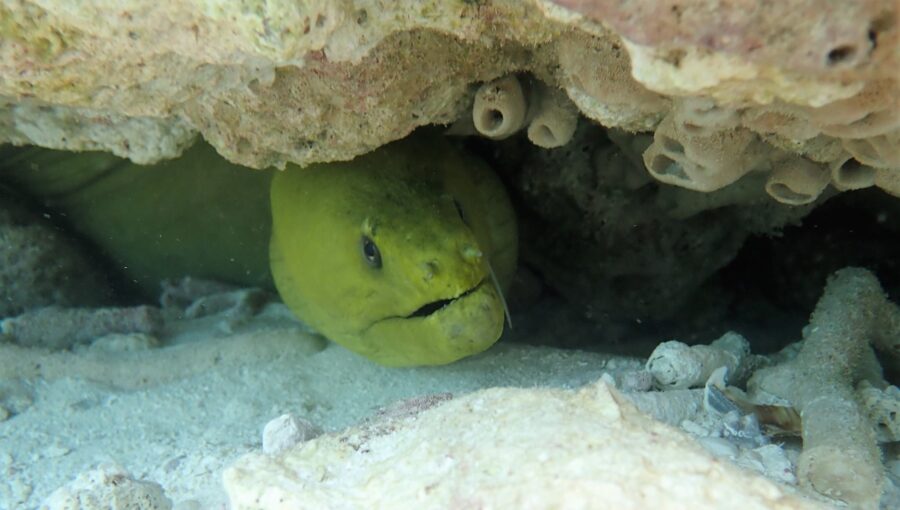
(675, 365)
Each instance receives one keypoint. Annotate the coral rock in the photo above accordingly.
(504, 448)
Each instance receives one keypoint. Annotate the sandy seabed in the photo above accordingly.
(178, 415)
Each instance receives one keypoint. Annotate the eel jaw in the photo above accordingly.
(436, 306)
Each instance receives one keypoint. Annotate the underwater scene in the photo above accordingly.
(468, 254)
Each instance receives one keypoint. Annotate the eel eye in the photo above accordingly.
(370, 252)
(459, 209)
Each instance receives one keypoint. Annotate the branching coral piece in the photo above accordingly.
(500, 108)
(675, 365)
(797, 181)
(554, 120)
(840, 456)
(61, 328)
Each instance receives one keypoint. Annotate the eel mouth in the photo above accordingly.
(436, 306)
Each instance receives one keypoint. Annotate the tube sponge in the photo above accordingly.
(881, 151)
(554, 120)
(504, 106)
(840, 456)
(871, 112)
(797, 181)
(500, 108)
(702, 116)
(782, 119)
(704, 162)
(889, 181)
(848, 174)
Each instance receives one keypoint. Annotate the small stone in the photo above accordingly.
(4, 414)
(286, 431)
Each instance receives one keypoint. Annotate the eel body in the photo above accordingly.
(400, 255)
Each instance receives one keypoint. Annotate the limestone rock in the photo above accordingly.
(313, 80)
(505, 448)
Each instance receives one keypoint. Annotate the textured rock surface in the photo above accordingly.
(504, 448)
(310, 80)
(616, 243)
(40, 265)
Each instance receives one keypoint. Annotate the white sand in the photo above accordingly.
(179, 414)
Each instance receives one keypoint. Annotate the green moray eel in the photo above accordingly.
(400, 255)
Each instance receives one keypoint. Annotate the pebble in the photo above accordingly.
(286, 431)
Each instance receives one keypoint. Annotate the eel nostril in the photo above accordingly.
(429, 269)
(471, 253)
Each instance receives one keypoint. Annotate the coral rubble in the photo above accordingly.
(675, 365)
